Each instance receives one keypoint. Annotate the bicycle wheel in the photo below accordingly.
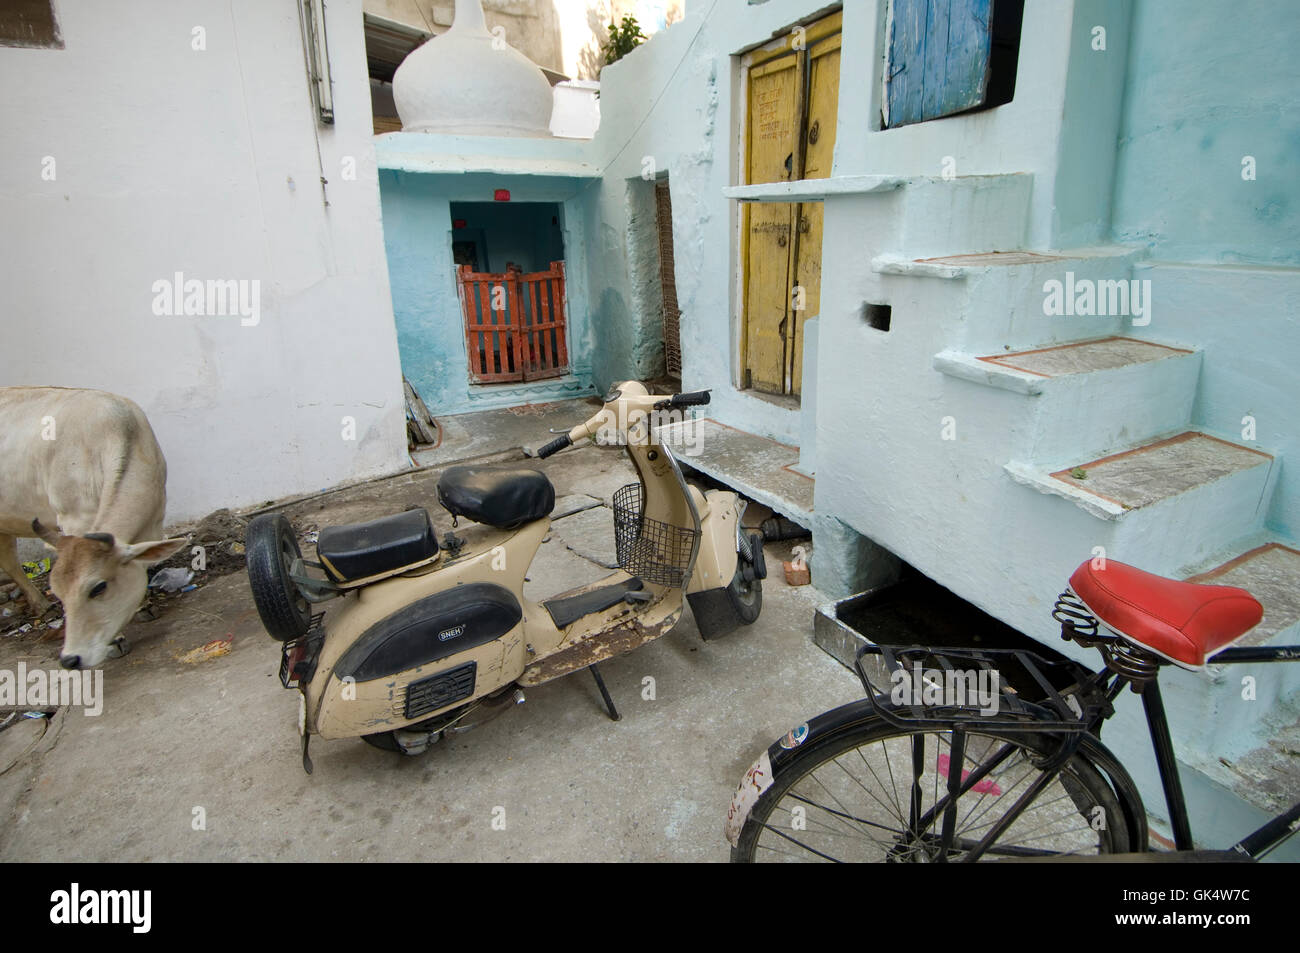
(879, 793)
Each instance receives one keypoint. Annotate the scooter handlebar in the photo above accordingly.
(690, 399)
(555, 446)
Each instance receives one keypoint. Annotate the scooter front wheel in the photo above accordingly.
(746, 597)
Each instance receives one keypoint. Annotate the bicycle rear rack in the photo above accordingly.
(949, 676)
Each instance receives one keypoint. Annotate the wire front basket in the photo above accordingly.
(653, 551)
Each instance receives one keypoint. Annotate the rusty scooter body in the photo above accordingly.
(427, 639)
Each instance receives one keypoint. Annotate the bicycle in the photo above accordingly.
(875, 780)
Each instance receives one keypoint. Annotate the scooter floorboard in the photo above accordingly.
(568, 609)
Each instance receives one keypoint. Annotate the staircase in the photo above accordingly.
(1098, 414)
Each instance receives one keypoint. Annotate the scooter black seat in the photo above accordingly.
(496, 497)
(361, 550)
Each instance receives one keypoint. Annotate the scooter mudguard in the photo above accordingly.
(715, 565)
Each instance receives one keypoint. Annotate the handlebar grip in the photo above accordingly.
(555, 446)
(691, 399)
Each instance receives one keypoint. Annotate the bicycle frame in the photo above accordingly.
(1269, 835)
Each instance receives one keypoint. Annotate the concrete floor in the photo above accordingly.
(218, 736)
(485, 432)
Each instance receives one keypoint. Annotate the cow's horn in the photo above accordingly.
(106, 538)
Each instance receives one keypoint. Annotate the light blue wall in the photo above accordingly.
(426, 304)
(1208, 84)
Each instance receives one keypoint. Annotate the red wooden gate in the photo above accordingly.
(514, 324)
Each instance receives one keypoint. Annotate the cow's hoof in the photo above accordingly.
(119, 647)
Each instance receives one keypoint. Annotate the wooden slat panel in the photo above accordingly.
(561, 317)
(545, 325)
(774, 155)
(823, 110)
(938, 58)
(668, 281)
(530, 296)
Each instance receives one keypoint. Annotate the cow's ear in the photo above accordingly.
(153, 552)
(44, 533)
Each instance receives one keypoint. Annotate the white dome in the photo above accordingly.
(460, 82)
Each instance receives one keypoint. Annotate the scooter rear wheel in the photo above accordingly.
(384, 741)
(270, 548)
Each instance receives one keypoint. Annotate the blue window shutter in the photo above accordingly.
(938, 58)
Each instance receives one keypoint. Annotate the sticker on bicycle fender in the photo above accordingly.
(794, 737)
(757, 780)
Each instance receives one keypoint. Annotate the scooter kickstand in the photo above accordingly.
(604, 693)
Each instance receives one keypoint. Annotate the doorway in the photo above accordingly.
(510, 273)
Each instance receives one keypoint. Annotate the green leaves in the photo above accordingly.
(623, 39)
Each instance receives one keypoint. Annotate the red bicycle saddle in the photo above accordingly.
(1184, 622)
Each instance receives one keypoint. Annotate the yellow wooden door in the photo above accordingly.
(819, 150)
(790, 134)
(773, 136)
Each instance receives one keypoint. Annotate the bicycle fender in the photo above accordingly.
(762, 773)
(1113, 770)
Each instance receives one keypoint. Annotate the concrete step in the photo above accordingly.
(976, 213)
(1089, 395)
(1165, 504)
(1189, 464)
(1227, 719)
(1020, 300)
(1270, 572)
(754, 466)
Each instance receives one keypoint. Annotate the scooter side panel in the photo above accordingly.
(429, 630)
(350, 708)
(494, 557)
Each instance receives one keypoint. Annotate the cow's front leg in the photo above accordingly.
(9, 563)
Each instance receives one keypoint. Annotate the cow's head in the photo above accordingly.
(100, 582)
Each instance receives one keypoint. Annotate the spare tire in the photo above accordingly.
(270, 547)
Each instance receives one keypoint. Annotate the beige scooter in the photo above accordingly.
(432, 639)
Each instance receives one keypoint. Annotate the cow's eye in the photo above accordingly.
(98, 589)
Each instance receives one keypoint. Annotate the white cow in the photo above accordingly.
(82, 470)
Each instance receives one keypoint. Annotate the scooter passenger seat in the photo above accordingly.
(498, 497)
(362, 550)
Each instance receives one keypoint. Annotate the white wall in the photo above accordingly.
(205, 162)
